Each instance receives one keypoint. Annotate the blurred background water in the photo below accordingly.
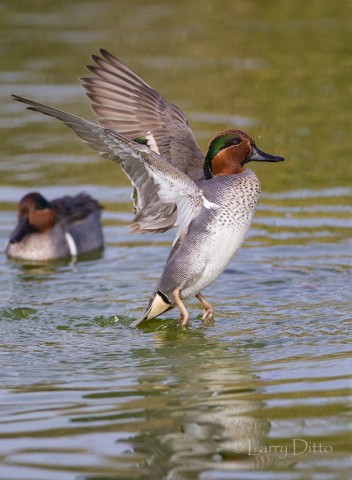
(263, 391)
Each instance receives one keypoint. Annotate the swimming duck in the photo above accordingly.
(210, 199)
(67, 226)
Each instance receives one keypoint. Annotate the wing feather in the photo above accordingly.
(116, 91)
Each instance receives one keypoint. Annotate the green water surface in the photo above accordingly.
(263, 391)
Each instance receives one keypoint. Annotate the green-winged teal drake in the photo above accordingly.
(210, 199)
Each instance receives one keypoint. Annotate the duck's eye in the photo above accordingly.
(233, 141)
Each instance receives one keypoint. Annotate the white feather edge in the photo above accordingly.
(71, 244)
(152, 143)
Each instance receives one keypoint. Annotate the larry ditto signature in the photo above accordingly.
(297, 446)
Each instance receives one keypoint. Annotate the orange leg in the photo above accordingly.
(208, 307)
(184, 315)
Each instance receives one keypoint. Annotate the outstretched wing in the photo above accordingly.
(128, 105)
(138, 161)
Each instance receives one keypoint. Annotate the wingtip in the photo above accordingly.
(104, 52)
(30, 103)
(95, 58)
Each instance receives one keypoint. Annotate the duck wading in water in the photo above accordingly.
(211, 200)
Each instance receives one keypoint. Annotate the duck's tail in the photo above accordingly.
(159, 303)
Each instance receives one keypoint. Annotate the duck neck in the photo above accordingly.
(225, 164)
